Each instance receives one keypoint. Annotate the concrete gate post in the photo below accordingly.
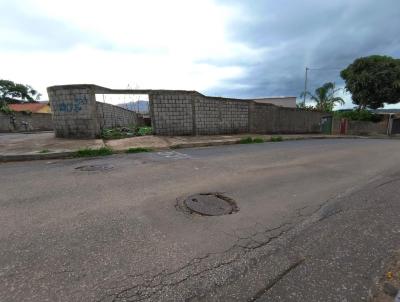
(74, 111)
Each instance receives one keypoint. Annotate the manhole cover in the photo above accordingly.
(92, 168)
(210, 204)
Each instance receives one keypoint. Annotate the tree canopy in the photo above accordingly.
(11, 92)
(324, 97)
(373, 81)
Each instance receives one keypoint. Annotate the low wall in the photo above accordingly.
(22, 122)
(268, 118)
(361, 127)
(173, 112)
(194, 114)
(110, 116)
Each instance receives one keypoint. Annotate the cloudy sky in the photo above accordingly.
(232, 48)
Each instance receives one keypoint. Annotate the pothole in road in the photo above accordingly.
(210, 204)
(95, 168)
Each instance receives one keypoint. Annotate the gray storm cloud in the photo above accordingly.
(319, 34)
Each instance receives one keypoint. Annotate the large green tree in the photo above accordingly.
(373, 81)
(11, 92)
(325, 97)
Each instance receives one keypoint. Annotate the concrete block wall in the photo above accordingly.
(195, 114)
(268, 118)
(190, 113)
(110, 116)
(172, 113)
(220, 116)
(22, 122)
(362, 127)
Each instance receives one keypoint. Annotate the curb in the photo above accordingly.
(70, 154)
(26, 157)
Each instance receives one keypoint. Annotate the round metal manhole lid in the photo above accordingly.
(94, 168)
(210, 204)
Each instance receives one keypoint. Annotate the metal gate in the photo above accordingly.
(396, 126)
(326, 125)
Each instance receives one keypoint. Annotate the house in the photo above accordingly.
(282, 101)
(40, 107)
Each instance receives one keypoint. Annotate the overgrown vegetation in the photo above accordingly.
(251, 140)
(141, 131)
(5, 109)
(88, 152)
(358, 115)
(44, 151)
(138, 150)
(125, 132)
(276, 139)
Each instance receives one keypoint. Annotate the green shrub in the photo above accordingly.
(258, 140)
(5, 109)
(141, 131)
(44, 151)
(246, 140)
(276, 139)
(138, 150)
(358, 115)
(88, 152)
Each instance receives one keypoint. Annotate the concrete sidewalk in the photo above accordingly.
(43, 145)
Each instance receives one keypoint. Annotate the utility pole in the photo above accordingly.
(305, 87)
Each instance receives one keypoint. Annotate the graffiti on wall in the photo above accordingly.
(75, 106)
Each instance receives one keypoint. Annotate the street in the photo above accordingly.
(316, 221)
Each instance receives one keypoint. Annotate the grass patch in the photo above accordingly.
(138, 150)
(276, 139)
(88, 152)
(44, 151)
(258, 140)
(251, 140)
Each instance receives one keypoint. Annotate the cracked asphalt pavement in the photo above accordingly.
(317, 221)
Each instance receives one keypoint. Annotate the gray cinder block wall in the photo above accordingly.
(110, 116)
(191, 113)
(268, 118)
(76, 114)
(173, 112)
(22, 122)
(362, 127)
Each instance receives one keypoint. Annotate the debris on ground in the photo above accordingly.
(387, 287)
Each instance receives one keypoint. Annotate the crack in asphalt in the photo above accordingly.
(271, 284)
(152, 285)
(140, 291)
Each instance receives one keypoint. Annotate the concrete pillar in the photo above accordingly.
(74, 111)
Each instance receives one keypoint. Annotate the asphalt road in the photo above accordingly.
(317, 220)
